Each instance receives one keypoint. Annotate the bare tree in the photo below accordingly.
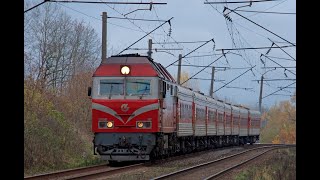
(57, 47)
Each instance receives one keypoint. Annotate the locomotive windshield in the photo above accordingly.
(137, 87)
(130, 87)
(108, 86)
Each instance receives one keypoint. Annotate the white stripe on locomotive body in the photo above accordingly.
(144, 109)
(139, 111)
(107, 110)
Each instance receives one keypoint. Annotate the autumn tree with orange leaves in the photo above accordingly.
(190, 83)
(281, 123)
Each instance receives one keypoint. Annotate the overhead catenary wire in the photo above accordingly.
(229, 33)
(192, 65)
(205, 55)
(244, 88)
(156, 49)
(192, 51)
(168, 21)
(260, 26)
(181, 42)
(276, 67)
(135, 19)
(279, 58)
(234, 79)
(287, 87)
(202, 69)
(283, 95)
(266, 9)
(109, 2)
(169, 34)
(279, 90)
(100, 19)
(216, 67)
(266, 12)
(128, 19)
(237, 2)
(216, 80)
(246, 48)
(275, 80)
(36, 5)
(282, 49)
(280, 65)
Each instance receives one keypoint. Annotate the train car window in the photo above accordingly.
(212, 115)
(181, 110)
(138, 87)
(220, 117)
(111, 86)
(164, 87)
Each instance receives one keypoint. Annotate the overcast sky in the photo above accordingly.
(195, 21)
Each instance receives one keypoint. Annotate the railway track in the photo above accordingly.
(92, 172)
(213, 169)
(99, 171)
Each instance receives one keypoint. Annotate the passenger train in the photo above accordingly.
(139, 113)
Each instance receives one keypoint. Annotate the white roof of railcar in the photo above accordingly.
(212, 101)
(255, 113)
(243, 111)
(184, 90)
(200, 96)
(220, 105)
(235, 109)
(227, 107)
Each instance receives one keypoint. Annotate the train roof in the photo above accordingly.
(145, 66)
(235, 108)
(139, 66)
(254, 112)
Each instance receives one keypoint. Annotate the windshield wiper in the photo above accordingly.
(145, 83)
(144, 92)
(110, 91)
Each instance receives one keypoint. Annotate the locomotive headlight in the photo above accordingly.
(125, 70)
(140, 124)
(109, 124)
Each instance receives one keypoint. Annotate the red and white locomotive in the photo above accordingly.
(139, 112)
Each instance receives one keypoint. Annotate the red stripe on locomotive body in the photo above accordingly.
(125, 114)
(135, 70)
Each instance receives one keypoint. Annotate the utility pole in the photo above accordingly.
(212, 80)
(179, 69)
(150, 48)
(104, 37)
(260, 97)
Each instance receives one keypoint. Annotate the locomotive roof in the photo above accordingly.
(140, 66)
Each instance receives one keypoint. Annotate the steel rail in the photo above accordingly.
(215, 161)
